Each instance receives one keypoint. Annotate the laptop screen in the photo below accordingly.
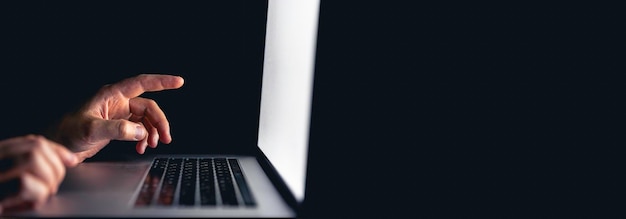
(290, 41)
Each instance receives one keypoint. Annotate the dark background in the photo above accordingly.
(429, 109)
(471, 110)
(57, 54)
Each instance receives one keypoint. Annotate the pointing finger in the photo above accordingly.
(135, 86)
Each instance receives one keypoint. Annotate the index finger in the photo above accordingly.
(135, 86)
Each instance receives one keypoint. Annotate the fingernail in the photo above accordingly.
(139, 133)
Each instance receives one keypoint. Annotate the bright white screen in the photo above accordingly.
(290, 40)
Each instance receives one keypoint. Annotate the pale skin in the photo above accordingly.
(115, 112)
(33, 167)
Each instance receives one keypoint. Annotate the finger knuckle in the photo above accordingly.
(31, 136)
(151, 103)
(23, 184)
(122, 129)
(62, 173)
(38, 142)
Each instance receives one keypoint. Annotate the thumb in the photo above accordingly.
(119, 129)
(69, 159)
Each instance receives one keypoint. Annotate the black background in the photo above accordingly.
(57, 54)
(420, 110)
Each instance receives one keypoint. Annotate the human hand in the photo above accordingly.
(31, 169)
(116, 112)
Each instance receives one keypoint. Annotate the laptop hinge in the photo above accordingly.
(278, 182)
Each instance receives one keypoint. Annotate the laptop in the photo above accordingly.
(270, 183)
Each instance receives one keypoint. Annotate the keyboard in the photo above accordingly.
(194, 182)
